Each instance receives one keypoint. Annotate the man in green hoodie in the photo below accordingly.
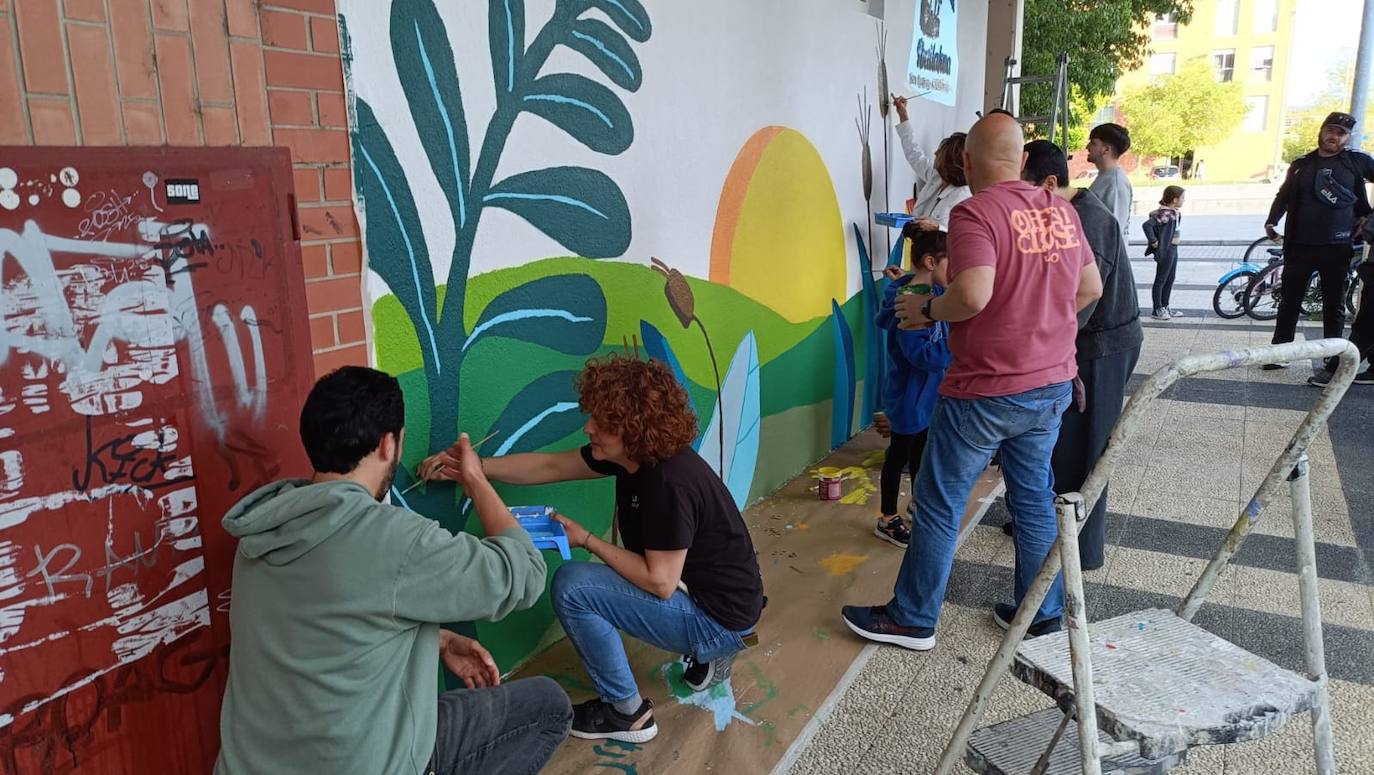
(337, 600)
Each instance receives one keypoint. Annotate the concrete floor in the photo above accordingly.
(1179, 489)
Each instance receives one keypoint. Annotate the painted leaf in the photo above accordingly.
(842, 412)
(581, 208)
(583, 108)
(506, 35)
(395, 238)
(628, 15)
(738, 416)
(895, 257)
(543, 412)
(424, 62)
(608, 50)
(657, 347)
(565, 313)
(873, 352)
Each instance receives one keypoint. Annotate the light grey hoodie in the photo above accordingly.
(334, 647)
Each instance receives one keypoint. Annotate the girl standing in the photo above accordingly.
(1162, 231)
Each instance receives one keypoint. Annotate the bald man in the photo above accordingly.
(1020, 270)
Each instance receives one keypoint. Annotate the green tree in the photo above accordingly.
(1104, 38)
(1177, 113)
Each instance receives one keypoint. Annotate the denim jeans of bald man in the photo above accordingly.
(964, 434)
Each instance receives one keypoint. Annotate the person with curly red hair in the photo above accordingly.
(687, 579)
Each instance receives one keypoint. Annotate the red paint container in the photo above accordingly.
(830, 488)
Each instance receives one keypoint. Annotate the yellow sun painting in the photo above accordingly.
(779, 236)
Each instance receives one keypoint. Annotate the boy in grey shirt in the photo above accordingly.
(1107, 143)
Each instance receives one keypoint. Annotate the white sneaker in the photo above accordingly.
(1175, 313)
(1160, 314)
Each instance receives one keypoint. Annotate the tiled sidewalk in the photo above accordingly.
(1207, 446)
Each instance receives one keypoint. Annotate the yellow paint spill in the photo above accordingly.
(861, 489)
(839, 564)
(875, 459)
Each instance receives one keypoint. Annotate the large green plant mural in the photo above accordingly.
(580, 208)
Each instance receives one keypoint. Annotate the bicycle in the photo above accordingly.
(1265, 292)
(1228, 301)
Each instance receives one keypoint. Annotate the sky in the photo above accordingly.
(1326, 36)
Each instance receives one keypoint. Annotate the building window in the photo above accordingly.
(1266, 16)
(1224, 65)
(1228, 17)
(1163, 64)
(1256, 114)
(1166, 26)
(1107, 115)
(1262, 63)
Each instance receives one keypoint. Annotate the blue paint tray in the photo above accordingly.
(544, 530)
(894, 220)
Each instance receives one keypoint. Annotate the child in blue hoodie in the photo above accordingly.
(916, 362)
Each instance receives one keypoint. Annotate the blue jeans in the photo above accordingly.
(594, 603)
(964, 434)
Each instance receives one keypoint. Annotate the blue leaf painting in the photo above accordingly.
(543, 412)
(628, 15)
(583, 209)
(564, 312)
(506, 35)
(873, 353)
(895, 257)
(657, 347)
(842, 414)
(395, 238)
(738, 413)
(608, 50)
(429, 78)
(591, 113)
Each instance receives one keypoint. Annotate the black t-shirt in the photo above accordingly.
(680, 503)
(1322, 196)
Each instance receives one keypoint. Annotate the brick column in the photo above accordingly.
(305, 94)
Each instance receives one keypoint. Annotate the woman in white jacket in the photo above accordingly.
(940, 181)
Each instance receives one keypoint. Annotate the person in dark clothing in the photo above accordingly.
(1162, 231)
(1362, 330)
(1109, 342)
(1324, 199)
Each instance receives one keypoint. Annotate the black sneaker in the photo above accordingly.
(874, 624)
(1323, 378)
(1003, 614)
(893, 531)
(703, 675)
(1274, 366)
(1008, 527)
(599, 720)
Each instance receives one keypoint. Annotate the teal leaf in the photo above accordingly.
(543, 412)
(842, 411)
(429, 78)
(608, 50)
(656, 346)
(873, 351)
(583, 108)
(628, 15)
(582, 209)
(395, 239)
(895, 257)
(565, 313)
(506, 34)
(739, 415)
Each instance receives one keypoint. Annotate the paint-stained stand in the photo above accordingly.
(154, 355)
(815, 557)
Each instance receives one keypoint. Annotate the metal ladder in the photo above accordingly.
(1059, 99)
(1147, 686)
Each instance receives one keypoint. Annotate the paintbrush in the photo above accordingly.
(475, 447)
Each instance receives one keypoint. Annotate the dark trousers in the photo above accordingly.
(1083, 438)
(1362, 330)
(903, 453)
(510, 729)
(1332, 262)
(1166, 268)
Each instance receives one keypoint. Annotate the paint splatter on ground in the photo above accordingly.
(875, 459)
(858, 483)
(614, 754)
(840, 564)
(719, 700)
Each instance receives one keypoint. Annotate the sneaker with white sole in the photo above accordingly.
(1173, 313)
(599, 720)
(701, 676)
(893, 530)
(1160, 314)
(874, 623)
(1323, 378)
(1003, 614)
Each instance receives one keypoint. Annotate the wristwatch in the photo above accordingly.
(925, 310)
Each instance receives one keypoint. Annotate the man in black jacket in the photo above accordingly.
(1324, 199)
(1109, 341)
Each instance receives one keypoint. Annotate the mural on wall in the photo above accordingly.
(153, 357)
(771, 344)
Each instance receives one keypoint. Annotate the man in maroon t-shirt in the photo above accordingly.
(1020, 270)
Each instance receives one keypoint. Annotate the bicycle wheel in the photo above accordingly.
(1312, 297)
(1262, 296)
(1352, 294)
(1229, 299)
(1249, 252)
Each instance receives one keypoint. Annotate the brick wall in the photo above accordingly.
(202, 73)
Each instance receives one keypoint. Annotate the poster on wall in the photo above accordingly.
(873, 8)
(933, 71)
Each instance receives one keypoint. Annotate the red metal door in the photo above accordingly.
(154, 354)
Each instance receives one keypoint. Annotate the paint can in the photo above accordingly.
(830, 488)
